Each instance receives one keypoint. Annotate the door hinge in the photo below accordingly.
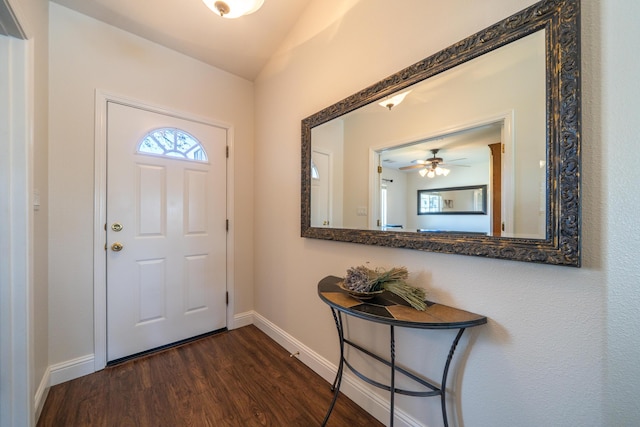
(379, 169)
(227, 298)
(502, 148)
(227, 225)
(227, 151)
(503, 226)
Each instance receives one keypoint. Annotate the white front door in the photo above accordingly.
(166, 230)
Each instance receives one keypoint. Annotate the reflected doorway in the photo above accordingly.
(320, 189)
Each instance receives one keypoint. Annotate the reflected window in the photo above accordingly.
(314, 171)
(172, 142)
(430, 203)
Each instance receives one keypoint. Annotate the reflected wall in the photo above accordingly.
(508, 82)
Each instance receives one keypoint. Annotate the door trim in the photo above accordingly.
(20, 404)
(100, 213)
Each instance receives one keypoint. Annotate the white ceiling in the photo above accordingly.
(240, 46)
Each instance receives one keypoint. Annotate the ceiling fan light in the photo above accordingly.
(431, 174)
(233, 8)
(422, 172)
(439, 170)
(445, 171)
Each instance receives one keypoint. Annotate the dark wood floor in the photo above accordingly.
(239, 378)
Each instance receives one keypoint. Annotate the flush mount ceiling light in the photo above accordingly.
(394, 100)
(233, 8)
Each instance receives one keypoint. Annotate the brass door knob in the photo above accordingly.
(117, 247)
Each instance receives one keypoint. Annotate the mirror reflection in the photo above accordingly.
(482, 123)
(471, 200)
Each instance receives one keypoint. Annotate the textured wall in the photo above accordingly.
(553, 343)
(613, 125)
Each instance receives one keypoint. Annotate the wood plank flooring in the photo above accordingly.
(239, 378)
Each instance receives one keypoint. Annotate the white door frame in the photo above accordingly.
(100, 213)
(17, 405)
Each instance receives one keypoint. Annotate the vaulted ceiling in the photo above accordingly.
(240, 46)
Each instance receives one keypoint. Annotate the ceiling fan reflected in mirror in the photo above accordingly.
(432, 166)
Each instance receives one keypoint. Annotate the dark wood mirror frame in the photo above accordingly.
(561, 21)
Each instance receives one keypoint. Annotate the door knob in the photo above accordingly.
(116, 226)
(117, 247)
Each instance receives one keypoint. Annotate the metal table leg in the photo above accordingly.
(443, 387)
(335, 387)
(392, 342)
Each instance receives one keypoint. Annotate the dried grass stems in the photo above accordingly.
(364, 279)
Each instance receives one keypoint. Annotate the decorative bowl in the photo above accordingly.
(360, 295)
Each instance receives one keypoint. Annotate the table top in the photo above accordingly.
(390, 309)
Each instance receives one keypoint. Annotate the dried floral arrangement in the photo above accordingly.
(363, 280)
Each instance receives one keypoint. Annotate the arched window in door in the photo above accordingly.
(315, 174)
(172, 142)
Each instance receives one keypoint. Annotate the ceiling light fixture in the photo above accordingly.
(433, 171)
(233, 8)
(394, 100)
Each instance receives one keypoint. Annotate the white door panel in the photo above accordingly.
(168, 283)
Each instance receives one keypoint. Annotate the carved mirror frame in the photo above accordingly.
(561, 21)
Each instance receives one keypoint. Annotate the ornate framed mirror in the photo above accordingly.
(499, 109)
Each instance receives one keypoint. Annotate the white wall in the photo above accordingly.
(87, 55)
(561, 345)
(612, 129)
(38, 11)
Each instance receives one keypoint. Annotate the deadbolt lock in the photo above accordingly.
(117, 247)
(116, 226)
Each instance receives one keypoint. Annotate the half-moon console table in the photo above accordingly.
(391, 310)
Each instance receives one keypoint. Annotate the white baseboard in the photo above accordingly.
(72, 369)
(351, 386)
(242, 319)
(41, 393)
